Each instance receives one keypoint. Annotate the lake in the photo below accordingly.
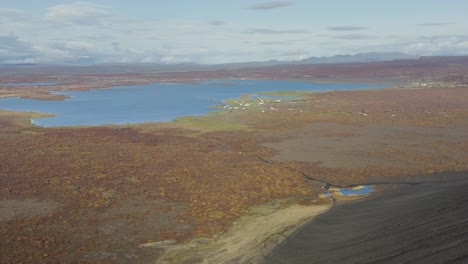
(154, 102)
(366, 189)
(29, 84)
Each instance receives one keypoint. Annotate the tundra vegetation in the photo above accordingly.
(106, 190)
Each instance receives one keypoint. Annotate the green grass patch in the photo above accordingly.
(242, 101)
(297, 93)
(21, 119)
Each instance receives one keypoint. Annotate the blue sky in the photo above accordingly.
(220, 31)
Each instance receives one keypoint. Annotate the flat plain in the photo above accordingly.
(132, 193)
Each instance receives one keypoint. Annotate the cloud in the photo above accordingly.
(423, 45)
(433, 24)
(14, 17)
(78, 13)
(14, 50)
(294, 52)
(276, 31)
(119, 54)
(20, 61)
(13, 47)
(216, 22)
(282, 42)
(96, 37)
(270, 5)
(346, 28)
(116, 46)
(431, 48)
(274, 42)
(74, 47)
(439, 45)
(12, 13)
(355, 36)
(443, 38)
(83, 32)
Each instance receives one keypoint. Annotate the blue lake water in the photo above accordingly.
(153, 102)
(365, 190)
(29, 84)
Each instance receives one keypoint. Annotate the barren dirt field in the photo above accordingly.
(100, 194)
(424, 223)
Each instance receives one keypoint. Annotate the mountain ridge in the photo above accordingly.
(341, 58)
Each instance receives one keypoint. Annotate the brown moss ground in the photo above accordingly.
(411, 131)
(93, 172)
(422, 107)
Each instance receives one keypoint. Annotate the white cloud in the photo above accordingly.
(295, 54)
(346, 28)
(434, 24)
(355, 36)
(438, 45)
(78, 13)
(277, 31)
(83, 31)
(15, 50)
(270, 5)
(14, 47)
(12, 13)
(12, 18)
(438, 48)
(216, 22)
(21, 61)
(75, 46)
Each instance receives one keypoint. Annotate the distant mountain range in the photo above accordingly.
(359, 57)
(356, 58)
(452, 66)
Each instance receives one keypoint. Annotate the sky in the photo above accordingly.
(224, 31)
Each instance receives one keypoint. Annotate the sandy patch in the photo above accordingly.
(250, 239)
(11, 209)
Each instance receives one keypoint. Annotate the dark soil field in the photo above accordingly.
(422, 223)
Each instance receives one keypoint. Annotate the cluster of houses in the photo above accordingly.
(436, 84)
(244, 105)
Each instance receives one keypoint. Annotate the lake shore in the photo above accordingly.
(157, 102)
(251, 238)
